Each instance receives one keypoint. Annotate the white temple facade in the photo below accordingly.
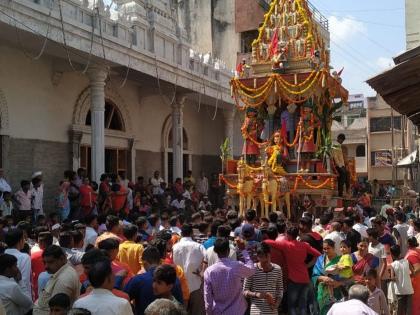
(116, 87)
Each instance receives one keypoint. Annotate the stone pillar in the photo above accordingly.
(229, 115)
(75, 139)
(150, 34)
(177, 140)
(97, 76)
(131, 174)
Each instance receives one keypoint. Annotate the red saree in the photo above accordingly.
(413, 257)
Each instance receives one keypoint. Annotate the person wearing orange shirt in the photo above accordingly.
(111, 246)
(131, 252)
(119, 197)
(113, 227)
(87, 197)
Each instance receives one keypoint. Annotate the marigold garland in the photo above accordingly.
(271, 79)
(263, 99)
(309, 185)
(237, 82)
(248, 137)
(295, 140)
(315, 79)
(278, 77)
(298, 179)
(256, 93)
(223, 178)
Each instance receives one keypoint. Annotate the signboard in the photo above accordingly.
(383, 158)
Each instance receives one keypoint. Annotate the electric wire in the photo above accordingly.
(44, 45)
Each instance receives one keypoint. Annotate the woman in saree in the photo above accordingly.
(413, 257)
(63, 201)
(363, 261)
(321, 281)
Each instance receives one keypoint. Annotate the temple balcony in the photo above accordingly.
(141, 35)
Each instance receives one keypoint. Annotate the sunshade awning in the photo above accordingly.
(409, 160)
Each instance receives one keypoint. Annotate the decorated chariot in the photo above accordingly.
(287, 95)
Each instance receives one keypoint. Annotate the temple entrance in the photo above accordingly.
(116, 160)
(185, 164)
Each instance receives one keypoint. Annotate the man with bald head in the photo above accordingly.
(356, 304)
(336, 236)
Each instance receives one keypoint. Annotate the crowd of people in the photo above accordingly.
(152, 248)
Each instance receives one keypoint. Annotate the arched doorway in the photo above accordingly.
(116, 159)
(119, 142)
(168, 152)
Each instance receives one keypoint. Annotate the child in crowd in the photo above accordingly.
(59, 304)
(343, 268)
(378, 250)
(142, 225)
(401, 288)
(6, 208)
(164, 279)
(377, 300)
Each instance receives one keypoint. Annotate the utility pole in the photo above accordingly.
(393, 147)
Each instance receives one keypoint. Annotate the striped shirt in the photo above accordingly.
(269, 282)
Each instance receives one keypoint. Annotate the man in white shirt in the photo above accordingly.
(91, 230)
(357, 303)
(378, 250)
(15, 243)
(203, 184)
(359, 227)
(37, 191)
(336, 236)
(178, 203)
(400, 232)
(14, 300)
(156, 180)
(190, 255)
(101, 300)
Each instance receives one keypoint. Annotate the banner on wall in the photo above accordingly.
(383, 158)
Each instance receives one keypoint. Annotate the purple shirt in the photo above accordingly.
(223, 293)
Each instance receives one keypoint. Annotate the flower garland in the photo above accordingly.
(230, 184)
(255, 104)
(292, 101)
(309, 185)
(239, 93)
(278, 77)
(256, 93)
(237, 82)
(295, 140)
(311, 135)
(310, 85)
(248, 137)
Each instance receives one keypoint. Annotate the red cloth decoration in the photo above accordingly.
(274, 43)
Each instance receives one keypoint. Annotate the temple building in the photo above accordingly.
(140, 86)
